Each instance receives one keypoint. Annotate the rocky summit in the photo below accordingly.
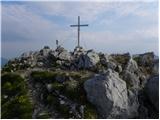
(82, 84)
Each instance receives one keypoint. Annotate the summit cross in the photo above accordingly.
(78, 26)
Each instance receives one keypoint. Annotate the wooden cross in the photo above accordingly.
(78, 26)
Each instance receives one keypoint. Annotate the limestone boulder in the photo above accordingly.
(89, 60)
(108, 93)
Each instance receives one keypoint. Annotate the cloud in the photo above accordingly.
(31, 25)
(120, 43)
(17, 21)
(90, 11)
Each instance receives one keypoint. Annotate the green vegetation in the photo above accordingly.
(15, 102)
(145, 68)
(64, 111)
(138, 60)
(121, 59)
(90, 112)
(52, 100)
(7, 68)
(57, 86)
(14, 65)
(71, 88)
(40, 76)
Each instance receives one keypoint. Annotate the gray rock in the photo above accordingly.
(142, 80)
(147, 58)
(29, 54)
(61, 54)
(111, 65)
(132, 66)
(45, 51)
(130, 74)
(40, 64)
(64, 55)
(78, 51)
(105, 58)
(82, 110)
(49, 87)
(62, 102)
(25, 55)
(108, 93)
(59, 62)
(53, 54)
(133, 103)
(59, 49)
(131, 79)
(89, 60)
(152, 90)
(119, 69)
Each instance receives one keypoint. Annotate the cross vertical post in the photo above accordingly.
(78, 27)
(57, 43)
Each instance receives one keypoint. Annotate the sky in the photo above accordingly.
(114, 27)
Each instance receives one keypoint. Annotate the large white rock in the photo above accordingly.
(108, 93)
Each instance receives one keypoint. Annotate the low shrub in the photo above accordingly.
(15, 101)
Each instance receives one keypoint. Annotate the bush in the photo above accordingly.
(39, 76)
(52, 100)
(15, 102)
(12, 85)
(57, 86)
(64, 111)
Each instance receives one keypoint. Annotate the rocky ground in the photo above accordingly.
(80, 84)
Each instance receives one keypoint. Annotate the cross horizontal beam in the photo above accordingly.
(78, 25)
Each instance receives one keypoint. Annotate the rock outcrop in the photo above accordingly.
(87, 84)
(130, 74)
(88, 60)
(110, 96)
